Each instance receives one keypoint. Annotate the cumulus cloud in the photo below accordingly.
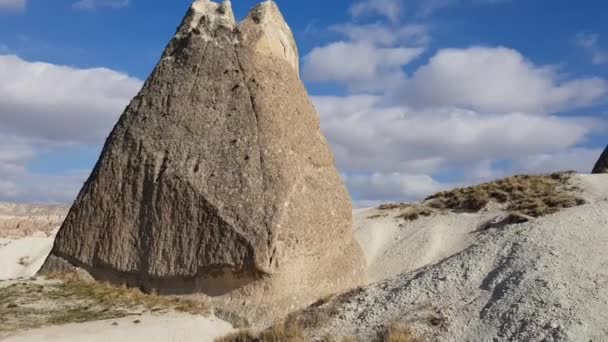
(43, 188)
(387, 150)
(385, 35)
(394, 186)
(358, 63)
(370, 59)
(369, 136)
(12, 5)
(44, 107)
(590, 42)
(60, 103)
(93, 5)
(428, 7)
(576, 159)
(498, 80)
(391, 9)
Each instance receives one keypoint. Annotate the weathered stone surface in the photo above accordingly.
(601, 166)
(217, 178)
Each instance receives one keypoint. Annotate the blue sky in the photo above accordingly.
(414, 95)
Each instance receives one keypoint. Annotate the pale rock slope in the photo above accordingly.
(444, 279)
(26, 236)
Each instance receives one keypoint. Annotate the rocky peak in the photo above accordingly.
(217, 178)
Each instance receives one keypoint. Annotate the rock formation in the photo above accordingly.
(27, 220)
(217, 178)
(601, 166)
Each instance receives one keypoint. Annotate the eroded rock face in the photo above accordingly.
(601, 166)
(30, 220)
(217, 178)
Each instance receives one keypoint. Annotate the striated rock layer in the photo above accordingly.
(30, 220)
(217, 178)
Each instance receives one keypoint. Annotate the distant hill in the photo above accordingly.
(20, 220)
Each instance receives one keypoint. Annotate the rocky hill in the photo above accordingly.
(476, 274)
(21, 220)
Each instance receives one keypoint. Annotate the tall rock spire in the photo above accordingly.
(217, 179)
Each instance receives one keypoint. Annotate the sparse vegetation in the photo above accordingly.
(529, 195)
(407, 211)
(28, 305)
(277, 333)
(532, 195)
(24, 261)
(400, 333)
(294, 326)
(414, 212)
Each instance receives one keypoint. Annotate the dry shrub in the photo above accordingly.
(277, 333)
(407, 211)
(314, 316)
(532, 195)
(393, 206)
(24, 261)
(415, 211)
(375, 216)
(400, 333)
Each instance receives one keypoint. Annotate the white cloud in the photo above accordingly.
(391, 9)
(393, 186)
(385, 35)
(497, 80)
(394, 9)
(46, 107)
(428, 7)
(12, 5)
(92, 5)
(368, 136)
(589, 42)
(398, 153)
(60, 103)
(577, 159)
(357, 63)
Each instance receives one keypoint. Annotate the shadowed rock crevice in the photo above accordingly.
(217, 179)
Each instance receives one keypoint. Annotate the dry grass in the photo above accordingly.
(314, 316)
(295, 325)
(529, 195)
(532, 195)
(34, 304)
(407, 211)
(400, 333)
(277, 333)
(415, 211)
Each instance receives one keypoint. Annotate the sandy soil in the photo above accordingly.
(146, 328)
(393, 246)
(22, 258)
